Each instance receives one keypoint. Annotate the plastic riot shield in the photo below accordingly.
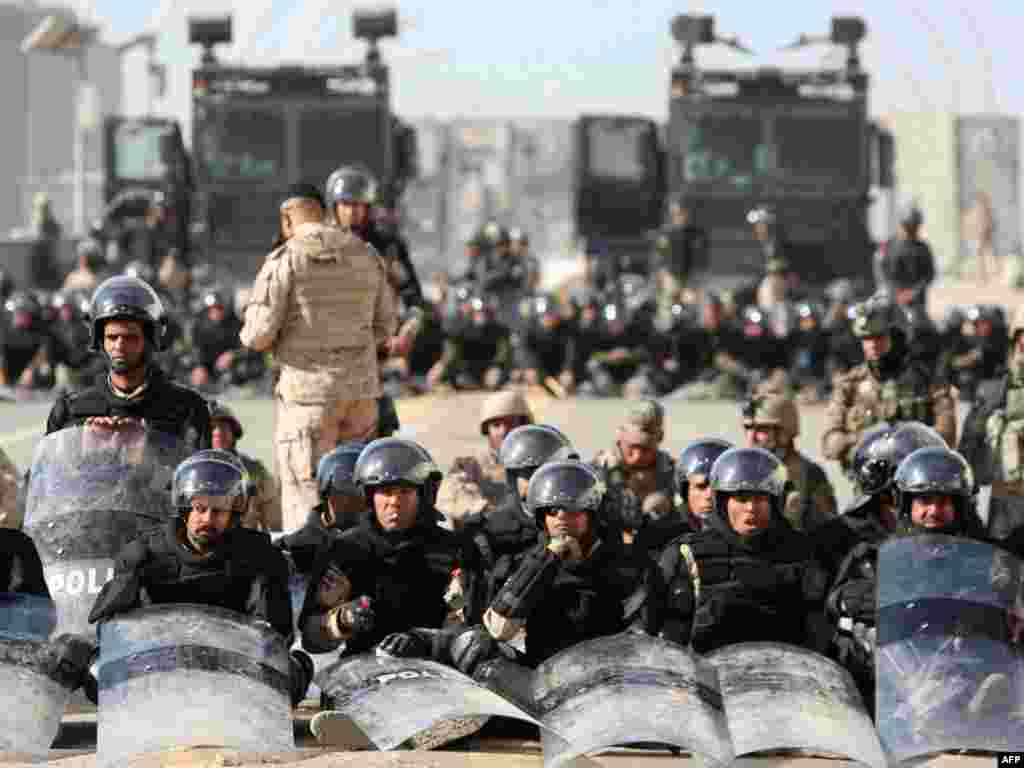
(947, 667)
(392, 699)
(629, 688)
(35, 687)
(91, 490)
(780, 696)
(191, 675)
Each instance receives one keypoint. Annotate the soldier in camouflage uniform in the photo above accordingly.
(640, 477)
(993, 438)
(322, 304)
(263, 510)
(886, 387)
(771, 421)
(476, 484)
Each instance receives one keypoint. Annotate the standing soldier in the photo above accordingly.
(680, 249)
(908, 266)
(322, 304)
(640, 477)
(885, 387)
(771, 421)
(263, 507)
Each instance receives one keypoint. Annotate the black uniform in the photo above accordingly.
(907, 264)
(306, 542)
(20, 566)
(405, 574)
(165, 407)
(212, 339)
(495, 546)
(245, 574)
(765, 588)
(580, 600)
(395, 251)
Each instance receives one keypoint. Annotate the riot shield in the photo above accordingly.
(191, 675)
(91, 491)
(629, 688)
(780, 696)
(34, 689)
(948, 668)
(392, 699)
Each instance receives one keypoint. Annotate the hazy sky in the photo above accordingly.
(561, 58)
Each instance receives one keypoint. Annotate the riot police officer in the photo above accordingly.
(395, 570)
(28, 349)
(748, 576)
(547, 342)
(886, 387)
(693, 480)
(203, 555)
(215, 339)
(978, 349)
(499, 540)
(127, 325)
(579, 581)
(933, 489)
(681, 248)
(263, 508)
(342, 506)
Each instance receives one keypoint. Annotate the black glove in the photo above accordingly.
(405, 645)
(302, 669)
(363, 617)
(75, 654)
(470, 647)
(630, 510)
(857, 599)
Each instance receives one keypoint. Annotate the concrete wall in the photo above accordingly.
(927, 173)
(37, 151)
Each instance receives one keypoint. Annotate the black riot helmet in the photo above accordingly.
(335, 474)
(570, 485)
(697, 458)
(936, 470)
(394, 461)
(215, 473)
(748, 470)
(127, 298)
(526, 448)
(351, 184)
(883, 448)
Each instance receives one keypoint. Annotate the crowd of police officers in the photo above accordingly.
(530, 548)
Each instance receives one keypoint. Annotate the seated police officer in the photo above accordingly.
(933, 490)
(498, 541)
(342, 506)
(203, 555)
(748, 576)
(393, 571)
(693, 497)
(579, 581)
(128, 325)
